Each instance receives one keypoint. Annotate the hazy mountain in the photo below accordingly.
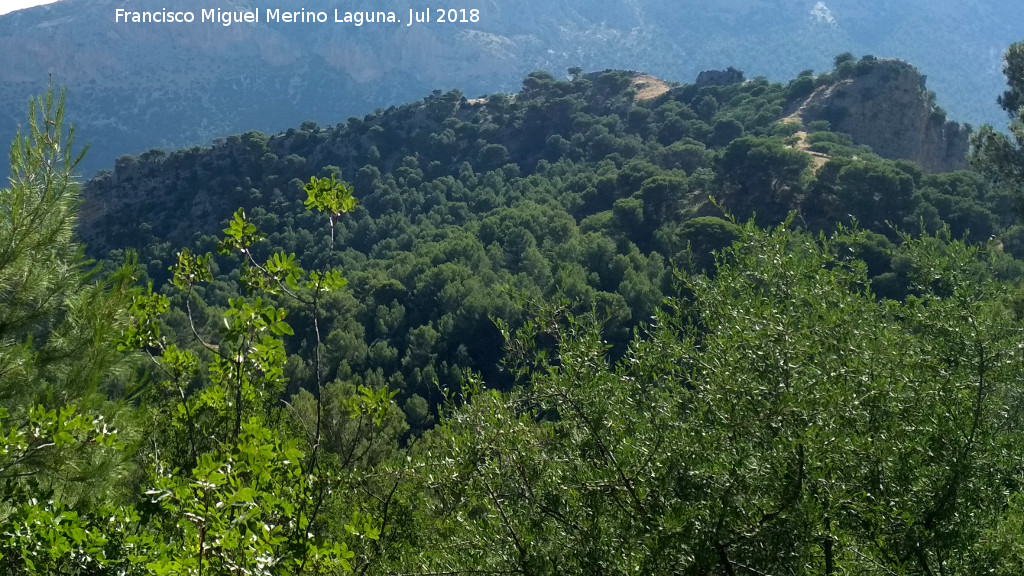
(133, 87)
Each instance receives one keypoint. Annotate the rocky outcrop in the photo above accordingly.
(885, 105)
(719, 77)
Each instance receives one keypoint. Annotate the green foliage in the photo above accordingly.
(226, 488)
(780, 420)
(57, 319)
(231, 492)
(144, 332)
(807, 403)
(444, 233)
(58, 325)
(997, 154)
(695, 243)
(192, 269)
(819, 126)
(1013, 68)
(250, 509)
(329, 196)
(762, 176)
(801, 87)
(843, 58)
(239, 236)
(464, 203)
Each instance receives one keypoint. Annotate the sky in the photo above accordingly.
(12, 5)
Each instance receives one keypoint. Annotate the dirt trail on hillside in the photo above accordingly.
(817, 158)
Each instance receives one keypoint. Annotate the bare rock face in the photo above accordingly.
(885, 105)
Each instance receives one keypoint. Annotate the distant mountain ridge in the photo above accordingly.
(134, 87)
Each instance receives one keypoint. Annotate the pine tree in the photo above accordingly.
(58, 321)
(997, 154)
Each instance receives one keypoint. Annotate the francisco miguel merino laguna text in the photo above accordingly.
(275, 15)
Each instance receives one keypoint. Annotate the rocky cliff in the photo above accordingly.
(885, 105)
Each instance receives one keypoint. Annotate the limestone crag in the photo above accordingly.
(886, 106)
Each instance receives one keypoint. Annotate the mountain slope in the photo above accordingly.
(585, 189)
(133, 87)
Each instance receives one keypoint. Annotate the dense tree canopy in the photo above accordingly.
(577, 332)
(575, 188)
(780, 419)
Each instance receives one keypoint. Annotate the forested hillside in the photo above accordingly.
(587, 189)
(606, 325)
